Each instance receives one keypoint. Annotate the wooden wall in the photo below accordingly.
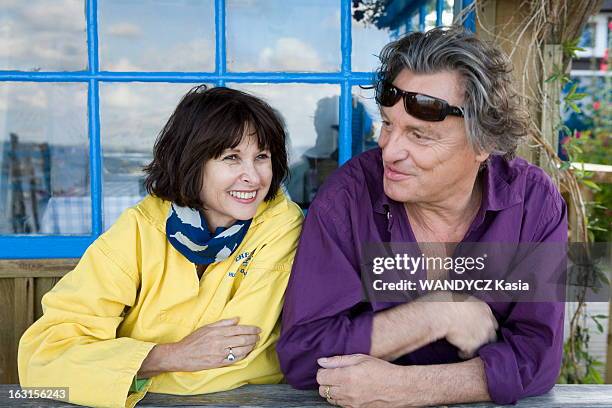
(23, 283)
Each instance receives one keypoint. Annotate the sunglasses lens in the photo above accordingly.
(386, 94)
(425, 107)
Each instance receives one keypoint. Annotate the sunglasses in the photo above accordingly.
(420, 106)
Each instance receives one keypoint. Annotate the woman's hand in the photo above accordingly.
(206, 348)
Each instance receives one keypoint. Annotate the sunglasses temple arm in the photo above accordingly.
(456, 111)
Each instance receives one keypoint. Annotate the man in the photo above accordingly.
(444, 173)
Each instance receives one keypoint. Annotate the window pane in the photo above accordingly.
(157, 35)
(132, 115)
(366, 121)
(373, 27)
(268, 35)
(43, 35)
(310, 113)
(44, 158)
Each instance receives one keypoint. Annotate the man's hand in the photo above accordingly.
(205, 348)
(364, 381)
(359, 380)
(469, 324)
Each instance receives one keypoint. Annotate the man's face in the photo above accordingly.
(427, 161)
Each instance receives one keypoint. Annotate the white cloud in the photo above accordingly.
(194, 55)
(58, 15)
(123, 65)
(43, 35)
(122, 96)
(126, 30)
(291, 54)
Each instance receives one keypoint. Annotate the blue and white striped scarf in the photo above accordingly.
(187, 231)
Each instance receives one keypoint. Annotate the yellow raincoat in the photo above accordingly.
(132, 290)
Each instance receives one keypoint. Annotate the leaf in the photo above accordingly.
(600, 328)
(574, 107)
(592, 185)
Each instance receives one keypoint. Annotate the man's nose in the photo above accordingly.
(392, 147)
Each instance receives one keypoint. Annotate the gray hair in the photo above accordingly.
(495, 120)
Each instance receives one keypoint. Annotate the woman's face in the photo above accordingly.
(235, 183)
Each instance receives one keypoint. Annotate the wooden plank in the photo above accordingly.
(42, 286)
(7, 359)
(23, 316)
(282, 395)
(551, 111)
(516, 42)
(32, 268)
(486, 14)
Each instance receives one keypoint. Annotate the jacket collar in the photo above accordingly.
(155, 210)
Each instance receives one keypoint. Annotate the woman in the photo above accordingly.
(183, 293)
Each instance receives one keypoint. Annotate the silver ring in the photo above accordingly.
(230, 355)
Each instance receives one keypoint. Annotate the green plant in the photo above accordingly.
(587, 146)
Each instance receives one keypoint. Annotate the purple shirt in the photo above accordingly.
(325, 314)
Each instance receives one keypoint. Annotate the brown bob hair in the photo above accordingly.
(206, 122)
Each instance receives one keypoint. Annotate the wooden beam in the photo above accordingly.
(34, 268)
(551, 110)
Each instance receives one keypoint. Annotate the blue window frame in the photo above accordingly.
(56, 246)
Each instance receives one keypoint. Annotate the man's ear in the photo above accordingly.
(482, 156)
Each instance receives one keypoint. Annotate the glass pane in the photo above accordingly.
(366, 121)
(157, 35)
(310, 113)
(374, 25)
(44, 158)
(127, 148)
(43, 35)
(269, 35)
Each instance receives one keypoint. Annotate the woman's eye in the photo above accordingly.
(263, 156)
(386, 123)
(231, 157)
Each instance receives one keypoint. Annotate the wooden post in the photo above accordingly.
(551, 114)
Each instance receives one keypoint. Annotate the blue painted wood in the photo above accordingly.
(13, 247)
(439, 10)
(183, 77)
(470, 20)
(43, 246)
(93, 105)
(422, 14)
(221, 48)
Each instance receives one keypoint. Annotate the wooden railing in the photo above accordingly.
(23, 283)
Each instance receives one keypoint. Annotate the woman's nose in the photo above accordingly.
(250, 174)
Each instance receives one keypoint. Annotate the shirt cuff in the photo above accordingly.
(503, 380)
(359, 339)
